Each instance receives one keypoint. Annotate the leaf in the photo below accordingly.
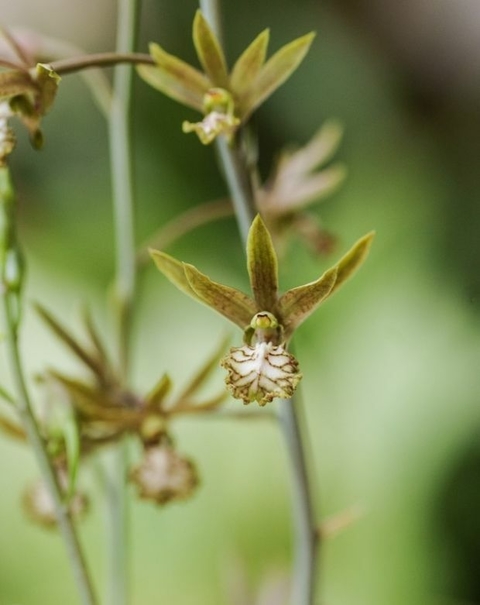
(157, 395)
(174, 272)
(298, 303)
(209, 52)
(262, 266)
(274, 73)
(175, 78)
(352, 260)
(229, 302)
(249, 64)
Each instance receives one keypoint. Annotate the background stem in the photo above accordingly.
(11, 311)
(122, 187)
(240, 185)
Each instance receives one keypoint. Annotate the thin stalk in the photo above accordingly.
(73, 64)
(65, 523)
(239, 182)
(122, 186)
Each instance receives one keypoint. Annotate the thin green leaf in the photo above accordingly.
(199, 378)
(174, 272)
(65, 336)
(72, 450)
(262, 266)
(298, 303)
(157, 395)
(175, 78)
(274, 73)
(352, 260)
(249, 64)
(229, 302)
(209, 51)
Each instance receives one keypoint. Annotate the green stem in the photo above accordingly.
(122, 185)
(10, 307)
(73, 64)
(240, 185)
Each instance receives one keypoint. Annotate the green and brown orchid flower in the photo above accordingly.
(262, 369)
(226, 98)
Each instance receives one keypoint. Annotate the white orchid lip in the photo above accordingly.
(261, 373)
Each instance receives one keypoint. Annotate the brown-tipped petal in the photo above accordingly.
(157, 395)
(175, 78)
(95, 364)
(297, 304)
(275, 71)
(174, 271)
(262, 266)
(209, 51)
(352, 260)
(249, 64)
(229, 302)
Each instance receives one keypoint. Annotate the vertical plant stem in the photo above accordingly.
(122, 185)
(306, 535)
(11, 310)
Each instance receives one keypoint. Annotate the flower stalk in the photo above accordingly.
(124, 288)
(306, 539)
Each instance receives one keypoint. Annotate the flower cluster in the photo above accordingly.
(226, 98)
(262, 369)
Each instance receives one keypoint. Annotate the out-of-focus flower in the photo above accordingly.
(40, 507)
(28, 89)
(231, 96)
(295, 184)
(163, 475)
(262, 369)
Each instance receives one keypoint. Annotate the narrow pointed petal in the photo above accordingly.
(95, 364)
(203, 373)
(175, 78)
(249, 64)
(174, 272)
(262, 266)
(275, 72)
(352, 260)
(157, 395)
(298, 303)
(229, 302)
(209, 51)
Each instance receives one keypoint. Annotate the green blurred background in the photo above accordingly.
(391, 364)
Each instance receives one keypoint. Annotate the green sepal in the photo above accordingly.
(229, 302)
(249, 64)
(156, 396)
(352, 260)
(298, 303)
(209, 51)
(174, 272)
(48, 81)
(275, 72)
(262, 266)
(175, 78)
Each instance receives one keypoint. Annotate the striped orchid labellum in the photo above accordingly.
(262, 369)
